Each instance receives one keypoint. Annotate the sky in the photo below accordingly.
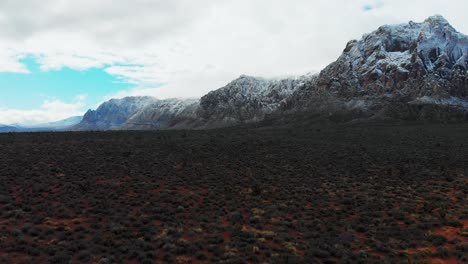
(59, 58)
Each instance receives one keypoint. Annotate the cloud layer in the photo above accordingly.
(51, 110)
(185, 48)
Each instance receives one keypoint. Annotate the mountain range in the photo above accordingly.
(409, 71)
(62, 125)
(414, 71)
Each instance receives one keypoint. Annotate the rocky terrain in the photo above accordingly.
(174, 113)
(412, 71)
(246, 100)
(113, 113)
(396, 67)
(380, 192)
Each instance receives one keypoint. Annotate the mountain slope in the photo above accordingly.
(57, 125)
(7, 129)
(246, 100)
(405, 71)
(407, 64)
(170, 113)
(113, 113)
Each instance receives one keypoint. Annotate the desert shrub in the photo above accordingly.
(215, 239)
(15, 232)
(60, 257)
(453, 223)
(51, 250)
(437, 240)
(235, 217)
(168, 258)
(136, 255)
(147, 261)
(84, 256)
(33, 251)
(286, 258)
(215, 249)
(37, 220)
(441, 252)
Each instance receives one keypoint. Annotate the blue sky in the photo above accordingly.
(29, 91)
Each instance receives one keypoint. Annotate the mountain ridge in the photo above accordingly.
(113, 114)
(394, 64)
(60, 125)
(404, 71)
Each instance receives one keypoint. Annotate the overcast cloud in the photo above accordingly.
(186, 48)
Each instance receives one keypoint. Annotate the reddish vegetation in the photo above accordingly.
(465, 223)
(227, 237)
(319, 193)
(450, 260)
(224, 221)
(449, 232)
(452, 197)
(431, 249)
(362, 237)
(161, 187)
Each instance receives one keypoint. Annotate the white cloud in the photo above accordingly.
(9, 61)
(186, 48)
(51, 110)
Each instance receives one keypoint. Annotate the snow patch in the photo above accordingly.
(450, 101)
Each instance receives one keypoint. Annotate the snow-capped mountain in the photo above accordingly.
(408, 64)
(246, 100)
(412, 70)
(169, 113)
(113, 113)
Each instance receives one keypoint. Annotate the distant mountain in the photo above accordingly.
(7, 129)
(61, 125)
(244, 100)
(405, 71)
(113, 113)
(57, 125)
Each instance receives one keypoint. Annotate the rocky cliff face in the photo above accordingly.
(113, 113)
(415, 63)
(163, 114)
(408, 71)
(246, 99)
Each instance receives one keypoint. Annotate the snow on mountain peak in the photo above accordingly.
(432, 42)
(436, 20)
(423, 63)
